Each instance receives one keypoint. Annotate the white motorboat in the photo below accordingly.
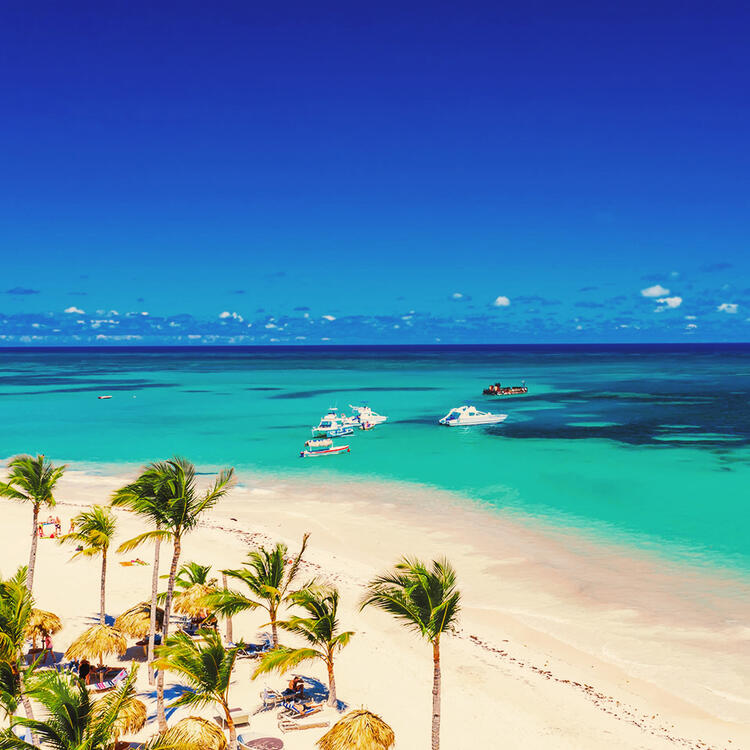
(334, 425)
(365, 415)
(465, 416)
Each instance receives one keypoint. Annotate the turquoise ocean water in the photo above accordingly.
(649, 446)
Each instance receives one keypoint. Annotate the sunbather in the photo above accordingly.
(299, 709)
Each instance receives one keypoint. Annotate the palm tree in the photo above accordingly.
(206, 666)
(166, 494)
(95, 530)
(195, 587)
(147, 500)
(425, 599)
(74, 720)
(16, 607)
(268, 574)
(321, 631)
(32, 480)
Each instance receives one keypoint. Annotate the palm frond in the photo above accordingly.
(283, 659)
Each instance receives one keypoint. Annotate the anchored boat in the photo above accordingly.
(315, 448)
(465, 416)
(333, 425)
(506, 390)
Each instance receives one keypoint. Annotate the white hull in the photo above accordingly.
(471, 422)
(469, 416)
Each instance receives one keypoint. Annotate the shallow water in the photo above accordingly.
(649, 446)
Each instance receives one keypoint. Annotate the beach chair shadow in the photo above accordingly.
(134, 653)
(170, 694)
(94, 620)
(317, 691)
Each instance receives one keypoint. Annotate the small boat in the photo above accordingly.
(506, 390)
(101, 398)
(465, 416)
(364, 414)
(322, 448)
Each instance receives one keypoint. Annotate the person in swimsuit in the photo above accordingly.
(84, 670)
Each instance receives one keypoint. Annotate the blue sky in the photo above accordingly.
(322, 173)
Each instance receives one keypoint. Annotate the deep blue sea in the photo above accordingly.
(646, 445)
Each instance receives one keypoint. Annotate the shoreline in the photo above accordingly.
(612, 639)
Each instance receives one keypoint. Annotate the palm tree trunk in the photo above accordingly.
(27, 707)
(161, 715)
(32, 554)
(436, 695)
(332, 700)
(102, 607)
(152, 620)
(231, 727)
(230, 634)
(274, 628)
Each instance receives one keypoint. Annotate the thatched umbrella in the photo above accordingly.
(191, 602)
(131, 717)
(358, 730)
(96, 642)
(195, 733)
(136, 621)
(41, 624)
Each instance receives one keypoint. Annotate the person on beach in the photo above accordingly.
(58, 526)
(48, 649)
(84, 670)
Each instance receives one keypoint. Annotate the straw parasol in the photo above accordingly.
(191, 602)
(41, 624)
(136, 621)
(96, 642)
(131, 717)
(195, 733)
(358, 730)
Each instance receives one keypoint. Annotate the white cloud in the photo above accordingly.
(75, 310)
(328, 317)
(670, 301)
(728, 307)
(457, 295)
(501, 301)
(691, 317)
(226, 314)
(690, 327)
(657, 290)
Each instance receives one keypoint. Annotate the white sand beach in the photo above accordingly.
(562, 643)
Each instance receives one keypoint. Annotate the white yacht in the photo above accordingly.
(464, 416)
(365, 415)
(333, 425)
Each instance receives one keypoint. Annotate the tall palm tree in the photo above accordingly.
(268, 574)
(73, 720)
(148, 501)
(207, 666)
(16, 606)
(166, 494)
(32, 480)
(426, 599)
(94, 532)
(321, 631)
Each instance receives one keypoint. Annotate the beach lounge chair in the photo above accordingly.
(298, 710)
(289, 725)
(239, 717)
(253, 650)
(272, 698)
(109, 684)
